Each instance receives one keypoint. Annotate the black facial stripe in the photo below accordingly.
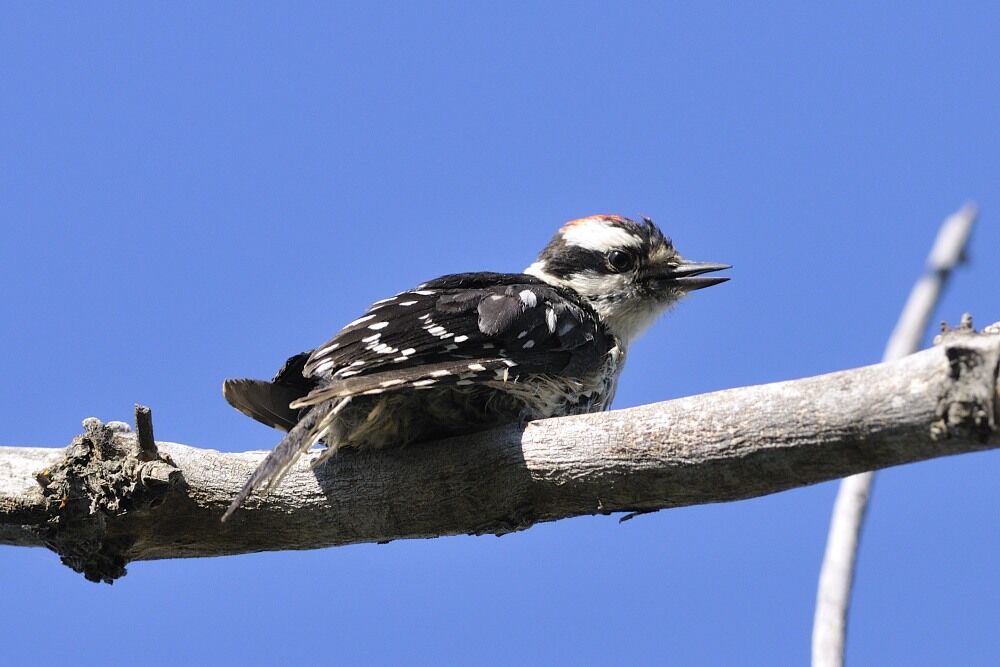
(562, 260)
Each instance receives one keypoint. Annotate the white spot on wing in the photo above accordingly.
(360, 320)
(424, 292)
(372, 338)
(477, 367)
(424, 383)
(528, 298)
(550, 319)
(439, 374)
(461, 339)
(323, 367)
(528, 344)
(326, 350)
(378, 325)
(407, 303)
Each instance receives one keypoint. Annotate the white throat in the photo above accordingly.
(627, 321)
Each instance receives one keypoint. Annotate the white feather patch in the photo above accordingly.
(550, 319)
(598, 234)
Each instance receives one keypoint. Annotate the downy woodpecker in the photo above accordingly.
(469, 351)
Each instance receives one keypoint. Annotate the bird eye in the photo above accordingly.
(620, 260)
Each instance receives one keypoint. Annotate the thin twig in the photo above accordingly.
(837, 573)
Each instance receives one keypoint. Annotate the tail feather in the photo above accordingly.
(312, 428)
(267, 402)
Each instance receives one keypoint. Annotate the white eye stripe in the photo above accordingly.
(599, 235)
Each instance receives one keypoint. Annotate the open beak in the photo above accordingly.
(688, 276)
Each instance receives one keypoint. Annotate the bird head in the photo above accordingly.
(628, 271)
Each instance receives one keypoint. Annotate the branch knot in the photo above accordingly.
(968, 403)
(106, 473)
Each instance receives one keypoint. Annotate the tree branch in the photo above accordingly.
(100, 505)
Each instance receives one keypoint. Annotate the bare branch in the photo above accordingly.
(837, 573)
(100, 507)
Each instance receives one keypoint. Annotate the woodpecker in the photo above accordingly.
(469, 351)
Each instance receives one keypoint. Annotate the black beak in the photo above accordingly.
(686, 275)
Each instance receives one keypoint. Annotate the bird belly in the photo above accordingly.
(399, 418)
(560, 396)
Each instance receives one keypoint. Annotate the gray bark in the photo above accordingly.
(106, 501)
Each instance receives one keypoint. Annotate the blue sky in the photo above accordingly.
(191, 192)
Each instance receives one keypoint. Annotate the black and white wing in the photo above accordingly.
(460, 328)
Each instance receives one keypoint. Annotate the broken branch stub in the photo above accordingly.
(105, 475)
